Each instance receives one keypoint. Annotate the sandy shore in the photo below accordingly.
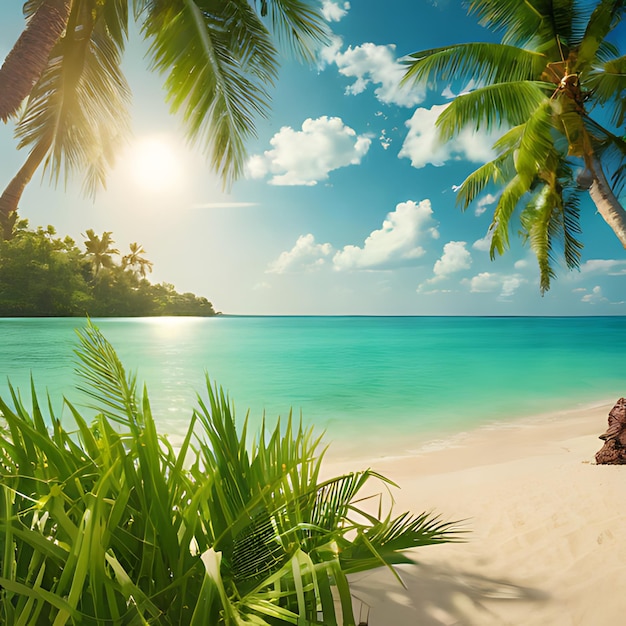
(547, 541)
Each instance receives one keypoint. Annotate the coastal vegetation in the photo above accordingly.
(63, 79)
(44, 275)
(556, 88)
(104, 521)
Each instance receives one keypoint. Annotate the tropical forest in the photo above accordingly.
(45, 275)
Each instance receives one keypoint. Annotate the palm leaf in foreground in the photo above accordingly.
(108, 523)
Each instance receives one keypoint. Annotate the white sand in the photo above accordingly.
(547, 545)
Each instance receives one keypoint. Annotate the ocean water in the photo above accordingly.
(361, 379)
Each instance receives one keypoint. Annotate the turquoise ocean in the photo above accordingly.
(361, 379)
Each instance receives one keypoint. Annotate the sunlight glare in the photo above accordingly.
(156, 164)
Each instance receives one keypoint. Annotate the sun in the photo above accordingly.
(156, 164)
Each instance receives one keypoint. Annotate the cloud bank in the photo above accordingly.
(395, 243)
(374, 65)
(307, 156)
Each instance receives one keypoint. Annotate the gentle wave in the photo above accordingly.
(360, 378)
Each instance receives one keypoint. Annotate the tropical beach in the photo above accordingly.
(411, 221)
(546, 542)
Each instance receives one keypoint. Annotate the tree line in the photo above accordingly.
(44, 275)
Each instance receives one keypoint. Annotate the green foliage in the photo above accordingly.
(542, 86)
(108, 523)
(219, 60)
(43, 275)
(78, 109)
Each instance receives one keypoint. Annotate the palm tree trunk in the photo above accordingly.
(12, 194)
(607, 203)
(29, 57)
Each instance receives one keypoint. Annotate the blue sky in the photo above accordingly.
(348, 205)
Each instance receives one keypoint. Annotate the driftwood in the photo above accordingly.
(613, 452)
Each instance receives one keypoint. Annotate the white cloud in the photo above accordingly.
(484, 244)
(257, 166)
(611, 267)
(371, 64)
(334, 11)
(594, 297)
(328, 52)
(484, 202)
(385, 140)
(455, 258)
(487, 282)
(510, 284)
(306, 157)
(448, 93)
(395, 243)
(422, 145)
(305, 255)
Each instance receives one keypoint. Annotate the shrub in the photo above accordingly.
(107, 523)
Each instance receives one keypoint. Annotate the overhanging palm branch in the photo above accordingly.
(607, 81)
(296, 24)
(551, 220)
(545, 21)
(219, 60)
(600, 23)
(79, 108)
(482, 63)
(500, 105)
(218, 70)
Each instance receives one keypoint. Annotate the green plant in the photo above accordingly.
(107, 523)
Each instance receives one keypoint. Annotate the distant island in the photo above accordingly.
(42, 275)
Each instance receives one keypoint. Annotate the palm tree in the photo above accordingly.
(219, 59)
(100, 250)
(556, 85)
(135, 260)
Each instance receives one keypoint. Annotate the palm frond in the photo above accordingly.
(611, 150)
(572, 246)
(511, 196)
(482, 63)
(298, 24)
(106, 381)
(544, 22)
(510, 140)
(608, 85)
(334, 497)
(607, 51)
(536, 220)
(500, 105)
(479, 179)
(551, 223)
(387, 541)
(536, 146)
(218, 66)
(79, 106)
(604, 18)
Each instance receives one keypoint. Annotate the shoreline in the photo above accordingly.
(547, 527)
(379, 446)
